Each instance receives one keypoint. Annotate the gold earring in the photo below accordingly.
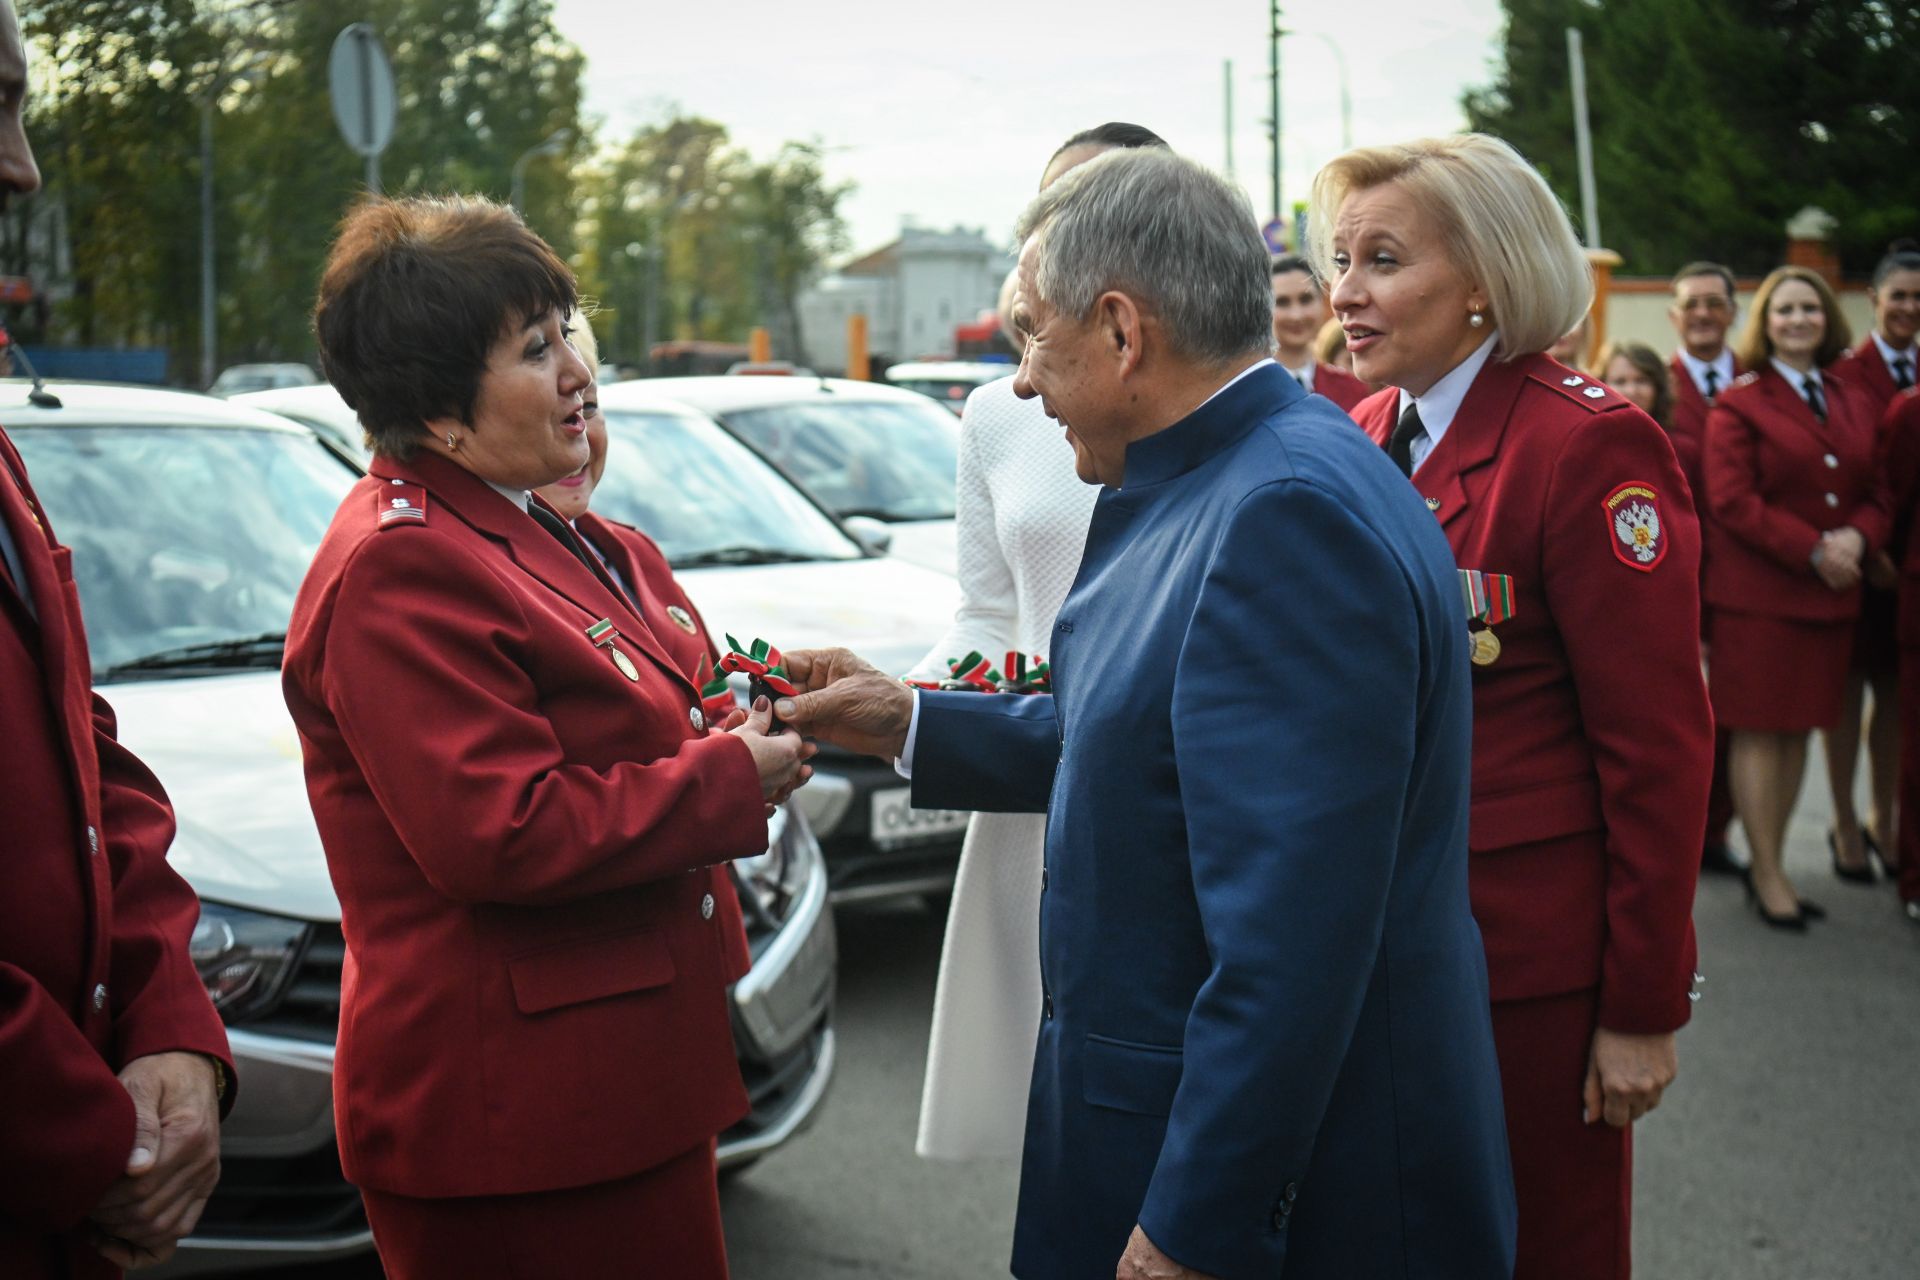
(453, 445)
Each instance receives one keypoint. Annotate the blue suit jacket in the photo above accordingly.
(1265, 1034)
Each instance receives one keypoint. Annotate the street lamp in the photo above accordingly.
(552, 145)
(222, 81)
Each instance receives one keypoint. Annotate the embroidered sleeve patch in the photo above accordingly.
(1633, 526)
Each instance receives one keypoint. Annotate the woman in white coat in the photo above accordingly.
(1022, 519)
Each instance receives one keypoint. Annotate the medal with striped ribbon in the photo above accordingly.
(1489, 600)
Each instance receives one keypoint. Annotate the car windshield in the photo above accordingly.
(705, 498)
(893, 460)
(189, 543)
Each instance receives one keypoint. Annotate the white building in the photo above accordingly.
(913, 292)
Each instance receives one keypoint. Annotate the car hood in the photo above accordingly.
(225, 749)
(884, 609)
(927, 543)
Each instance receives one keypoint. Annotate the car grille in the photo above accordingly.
(310, 1008)
(283, 1197)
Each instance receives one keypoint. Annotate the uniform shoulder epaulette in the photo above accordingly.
(400, 503)
(1590, 393)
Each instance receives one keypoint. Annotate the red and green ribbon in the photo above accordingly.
(974, 674)
(762, 663)
(716, 695)
(1488, 596)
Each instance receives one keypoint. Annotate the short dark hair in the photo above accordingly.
(1706, 269)
(1293, 262)
(1114, 134)
(1902, 255)
(415, 293)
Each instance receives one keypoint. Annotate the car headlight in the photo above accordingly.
(770, 881)
(244, 957)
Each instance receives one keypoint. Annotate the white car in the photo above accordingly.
(320, 407)
(762, 559)
(257, 377)
(192, 522)
(948, 381)
(881, 459)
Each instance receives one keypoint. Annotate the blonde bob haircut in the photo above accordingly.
(1504, 229)
(1754, 347)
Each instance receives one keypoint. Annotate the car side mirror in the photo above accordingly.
(870, 533)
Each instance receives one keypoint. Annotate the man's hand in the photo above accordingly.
(1626, 1075)
(781, 758)
(174, 1163)
(848, 702)
(1144, 1261)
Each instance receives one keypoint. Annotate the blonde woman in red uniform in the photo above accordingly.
(1882, 366)
(1795, 509)
(1453, 268)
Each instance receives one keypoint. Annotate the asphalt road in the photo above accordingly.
(1789, 1149)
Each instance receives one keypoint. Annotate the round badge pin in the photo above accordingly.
(681, 618)
(625, 664)
(1486, 648)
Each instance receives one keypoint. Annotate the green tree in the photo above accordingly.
(1714, 121)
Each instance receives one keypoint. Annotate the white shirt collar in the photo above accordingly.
(1441, 403)
(1890, 354)
(1304, 376)
(518, 497)
(1721, 364)
(1793, 376)
(1254, 367)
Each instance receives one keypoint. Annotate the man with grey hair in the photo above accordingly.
(1264, 1045)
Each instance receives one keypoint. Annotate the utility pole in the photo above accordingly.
(1226, 74)
(1273, 64)
(1583, 139)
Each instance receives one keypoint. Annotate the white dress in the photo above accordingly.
(1021, 520)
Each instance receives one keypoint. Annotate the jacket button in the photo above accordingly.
(93, 840)
(706, 907)
(100, 997)
(1292, 1192)
(1833, 499)
(1831, 461)
(698, 720)
(1280, 1218)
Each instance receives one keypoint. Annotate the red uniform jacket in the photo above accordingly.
(1592, 738)
(94, 925)
(1339, 386)
(1900, 451)
(523, 814)
(1865, 370)
(1777, 477)
(1688, 427)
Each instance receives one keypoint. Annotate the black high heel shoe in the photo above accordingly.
(1852, 875)
(1795, 923)
(1891, 870)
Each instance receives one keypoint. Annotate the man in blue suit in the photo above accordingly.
(1265, 1047)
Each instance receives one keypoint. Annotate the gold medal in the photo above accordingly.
(1486, 648)
(626, 666)
(681, 618)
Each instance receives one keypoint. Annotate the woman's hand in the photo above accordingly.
(1837, 560)
(781, 758)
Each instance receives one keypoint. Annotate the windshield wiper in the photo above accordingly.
(246, 651)
(740, 555)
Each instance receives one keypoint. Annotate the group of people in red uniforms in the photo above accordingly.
(1791, 436)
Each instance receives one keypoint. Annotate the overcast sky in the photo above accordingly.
(946, 114)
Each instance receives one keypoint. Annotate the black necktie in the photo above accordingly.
(1713, 383)
(1819, 402)
(1400, 444)
(1903, 372)
(553, 525)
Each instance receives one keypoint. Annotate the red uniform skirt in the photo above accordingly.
(1777, 675)
(1574, 1180)
(664, 1222)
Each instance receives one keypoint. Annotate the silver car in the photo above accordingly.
(192, 522)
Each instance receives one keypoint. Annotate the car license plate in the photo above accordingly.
(896, 822)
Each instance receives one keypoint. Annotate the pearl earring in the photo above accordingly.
(1476, 319)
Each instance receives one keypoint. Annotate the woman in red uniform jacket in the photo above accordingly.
(1591, 738)
(1795, 507)
(1299, 310)
(522, 805)
(1900, 443)
(1883, 365)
